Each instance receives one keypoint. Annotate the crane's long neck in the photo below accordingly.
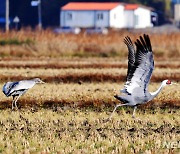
(154, 94)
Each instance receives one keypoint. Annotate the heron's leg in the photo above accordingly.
(135, 107)
(13, 102)
(116, 108)
(16, 101)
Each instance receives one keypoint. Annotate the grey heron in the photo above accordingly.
(140, 68)
(19, 88)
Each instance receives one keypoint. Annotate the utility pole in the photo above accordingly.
(38, 4)
(39, 16)
(7, 16)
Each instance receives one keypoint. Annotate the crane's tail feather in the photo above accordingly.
(121, 99)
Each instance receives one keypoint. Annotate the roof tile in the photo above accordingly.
(89, 6)
(131, 6)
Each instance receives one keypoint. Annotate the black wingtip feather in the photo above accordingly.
(144, 44)
(148, 42)
(139, 45)
(128, 41)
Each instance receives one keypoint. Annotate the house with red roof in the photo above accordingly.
(105, 15)
(138, 16)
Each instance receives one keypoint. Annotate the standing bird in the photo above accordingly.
(140, 68)
(19, 88)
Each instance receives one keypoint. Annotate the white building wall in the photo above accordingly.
(84, 19)
(177, 12)
(117, 17)
(129, 18)
(61, 19)
(77, 19)
(142, 18)
(101, 22)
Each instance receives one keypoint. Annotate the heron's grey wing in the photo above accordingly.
(131, 60)
(23, 85)
(143, 67)
(8, 87)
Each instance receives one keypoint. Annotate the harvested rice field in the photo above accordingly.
(69, 113)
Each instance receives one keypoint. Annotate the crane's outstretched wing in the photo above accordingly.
(131, 61)
(141, 71)
(131, 56)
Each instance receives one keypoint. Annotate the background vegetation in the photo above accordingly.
(27, 43)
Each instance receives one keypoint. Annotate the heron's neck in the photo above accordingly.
(154, 94)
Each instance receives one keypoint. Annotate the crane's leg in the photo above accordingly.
(115, 109)
(16, 101)
(135, 107)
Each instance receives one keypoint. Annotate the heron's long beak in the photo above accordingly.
(41, 81)
(174, 83)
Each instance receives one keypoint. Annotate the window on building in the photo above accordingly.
(114, 16)
(100, 16)
(69, 16)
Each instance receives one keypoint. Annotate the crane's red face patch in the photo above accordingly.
(168, 82)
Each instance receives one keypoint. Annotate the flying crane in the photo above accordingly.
(140, 68)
